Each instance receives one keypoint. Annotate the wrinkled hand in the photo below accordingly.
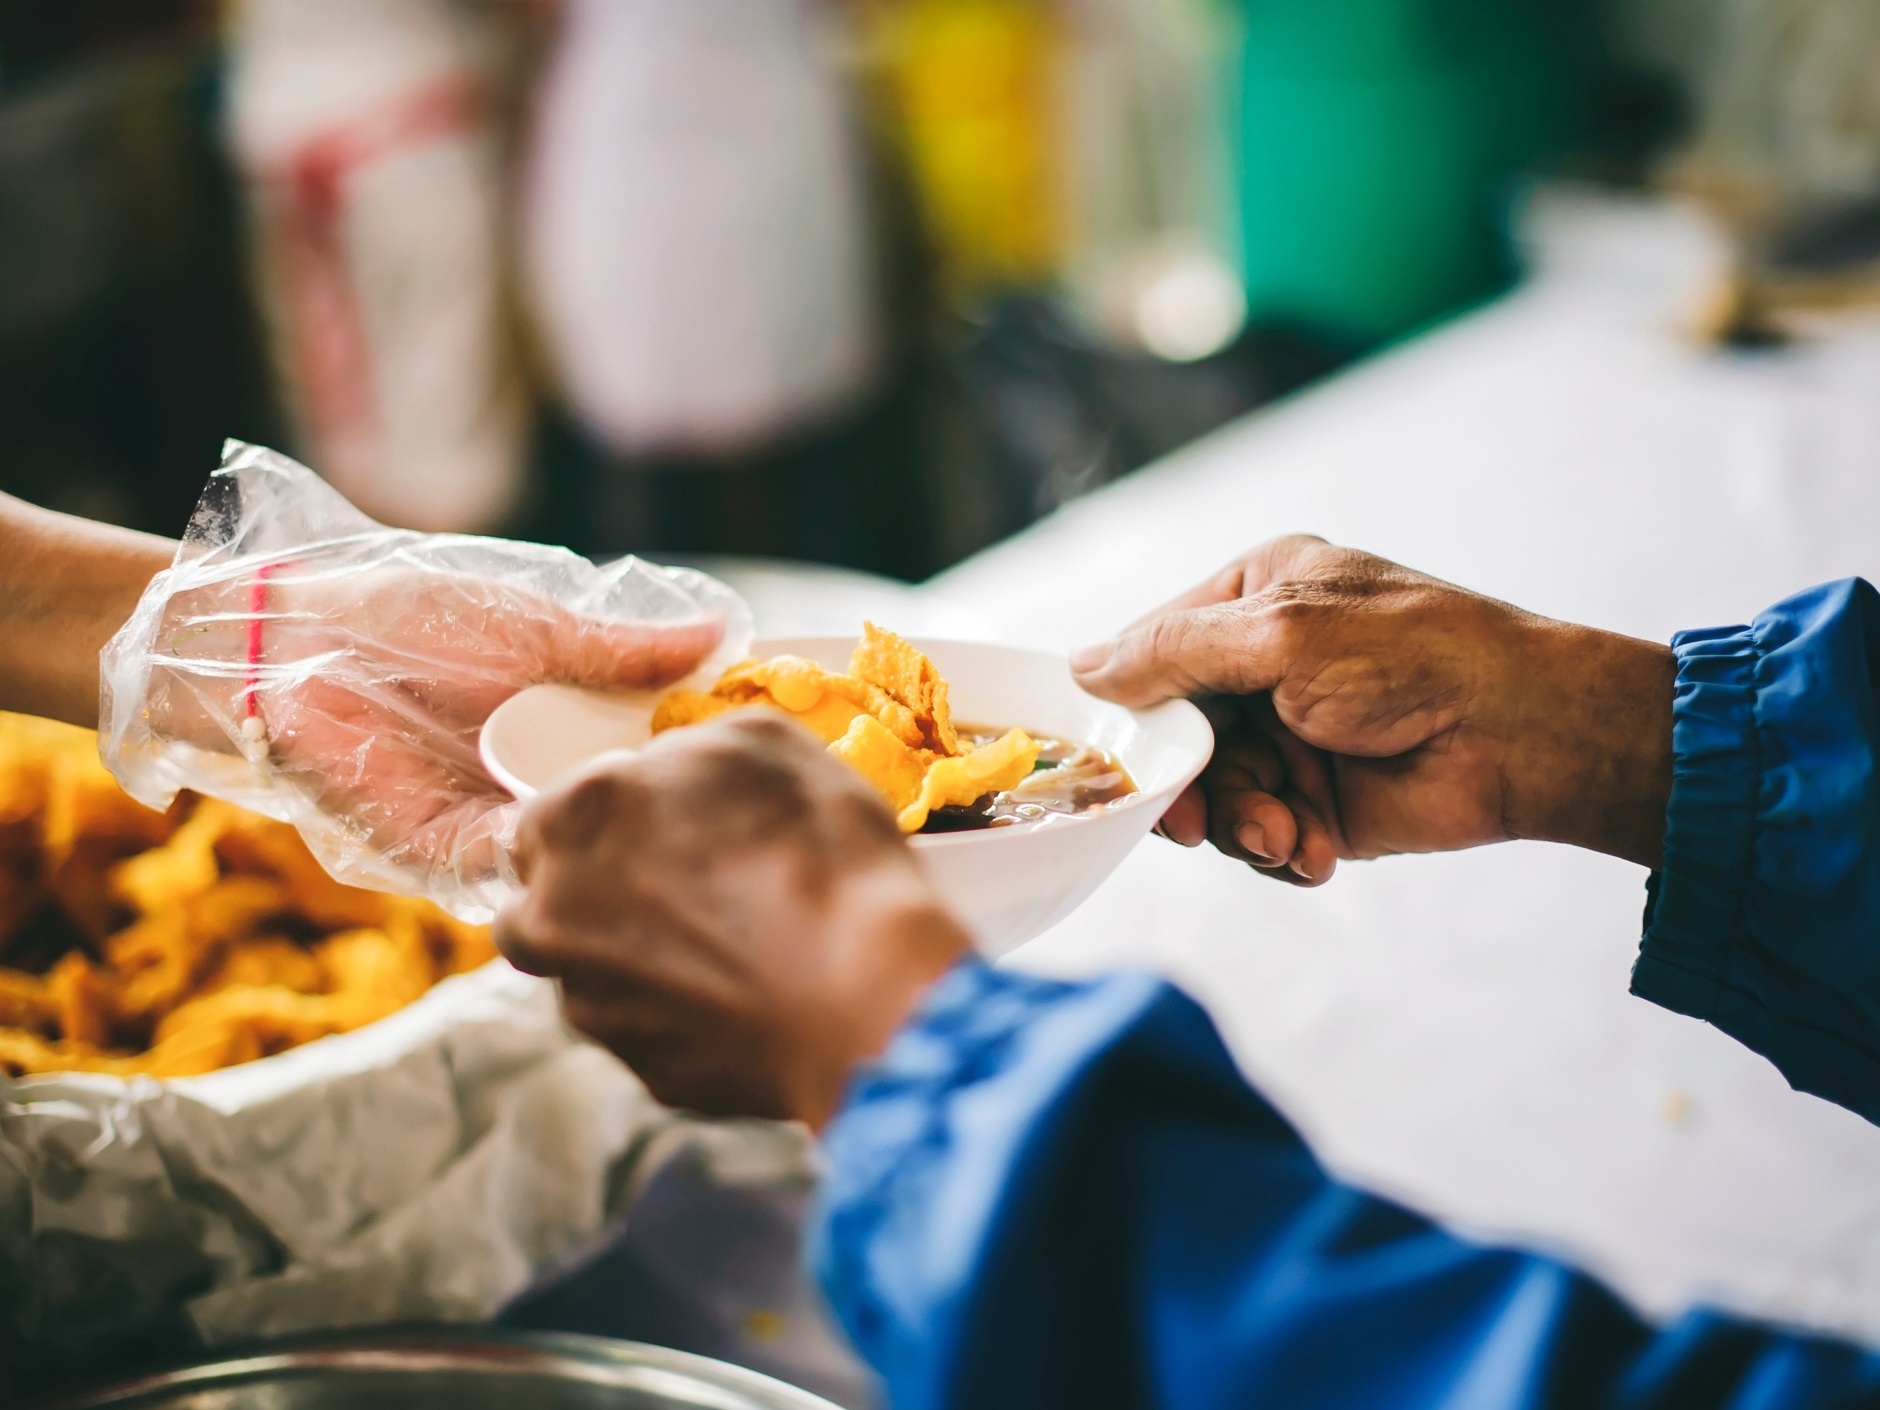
(732, 912)
(1363, 709)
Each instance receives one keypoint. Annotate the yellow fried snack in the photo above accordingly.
(169, 945)
(830, 718)
(816, 695)
(791, 682)
(182, 867)
(872, 750)
(193, 1051)
(956, 782)
(277, 1017)
(268, 960)
(22, 1052)
(24, 1002)
(81, 997)
(889, 718)
(163, 955)
(395, 967)
(906, 676)
(688, 707)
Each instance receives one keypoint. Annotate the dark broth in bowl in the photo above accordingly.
(1069, 778)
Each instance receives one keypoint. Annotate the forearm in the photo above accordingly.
(66, 585)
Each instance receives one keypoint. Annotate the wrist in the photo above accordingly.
(897, 941)
(1590, 759)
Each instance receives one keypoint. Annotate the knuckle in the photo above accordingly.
(1289, 613)
(1173, 638)
(763, 734)
(573, 816)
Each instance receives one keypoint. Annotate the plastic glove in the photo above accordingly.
(304, 661)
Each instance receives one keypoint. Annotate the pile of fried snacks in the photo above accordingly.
(888, 718)
(172, 944)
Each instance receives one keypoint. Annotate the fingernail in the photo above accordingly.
(1252, 837)
(1090, 658)
(1298, 868)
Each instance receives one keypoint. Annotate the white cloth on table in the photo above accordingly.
(1456, 1030)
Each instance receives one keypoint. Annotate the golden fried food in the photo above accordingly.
(395, 966)
(81, 998)
(961, 780)
(24, 1002)
(689, 707)
(889, 718)
(180, 868)
(791, 682)
(824, 701)
(906, 676)
(872, 750)
(265, 962)
(169, 945)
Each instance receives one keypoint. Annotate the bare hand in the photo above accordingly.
(1363, 709)
(732, 912)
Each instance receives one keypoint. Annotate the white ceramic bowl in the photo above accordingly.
(1009, 884)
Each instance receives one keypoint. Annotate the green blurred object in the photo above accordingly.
(1378, 144)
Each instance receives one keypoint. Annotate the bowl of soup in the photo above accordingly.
(1011, 862)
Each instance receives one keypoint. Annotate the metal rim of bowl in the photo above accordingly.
(690, 1380)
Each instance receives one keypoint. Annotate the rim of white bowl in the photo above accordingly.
(966, 837)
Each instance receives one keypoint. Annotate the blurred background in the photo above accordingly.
(862, 282)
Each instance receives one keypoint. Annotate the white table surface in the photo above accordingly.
(1455, 1030)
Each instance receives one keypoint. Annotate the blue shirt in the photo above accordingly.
(1053, 1194)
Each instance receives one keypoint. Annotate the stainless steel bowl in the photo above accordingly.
(491, 1371)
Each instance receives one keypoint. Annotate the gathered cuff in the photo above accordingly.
(1710, 824)
(1761, 920)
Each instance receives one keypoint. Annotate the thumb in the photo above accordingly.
(604, 653)
(1228, 648)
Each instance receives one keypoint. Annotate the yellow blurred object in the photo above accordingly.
(169, 945)
(973, 85)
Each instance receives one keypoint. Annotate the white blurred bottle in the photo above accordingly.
(365, 134)
(695, 225)
(1153, 261)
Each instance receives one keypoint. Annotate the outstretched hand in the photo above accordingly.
(731, 911)
(1363, 709)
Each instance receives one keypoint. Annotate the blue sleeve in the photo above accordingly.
(1765, 917)
(1064, 1195)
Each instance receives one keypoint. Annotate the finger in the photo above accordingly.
(513, 943)
(1253, 827)
(635, 654)
(1315, 857)
(1271, 562)
(1186, 821)
(1225, 649)
(1309, 781)
(1282, 559)
(463, 845)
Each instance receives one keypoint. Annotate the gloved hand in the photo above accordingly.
(302, 660)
